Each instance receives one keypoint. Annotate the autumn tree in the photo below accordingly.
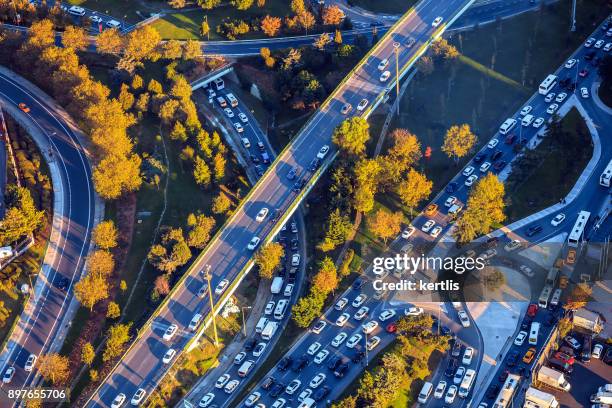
(221, 203)
(338, 229)
(403, 154)
(322, 41)
(298, 6)
(117, 337)
(268, 259)
(338, 37)
(116, 175)
(205, 28)
(172, 49)
(425, 65)
(126, 98)
(109, 41)
(459, 141)
(218, 164)
(75, 38)
(385, 224)
(161, 285)
(90, 290)
(171, 253)
(332, 15)
(352, 135)
(200, 230)
(270, 25)
(307, 309)
(565, 326)
(105, 235)
(100, 263)
(209, 4)
(414, 189)
(88, 354)
(326, 279)
(54, 368)
(201, 172)
(21, 217)
(113, 311)
(306, 20)
(242, 4)
(579, 297)
(442, 48)
(367, 179)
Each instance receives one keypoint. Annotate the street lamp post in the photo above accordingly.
(576, 76)
(243, 324)
(396, 46)
(212, 305)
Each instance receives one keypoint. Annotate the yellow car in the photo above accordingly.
(431, 209)
(528, 357)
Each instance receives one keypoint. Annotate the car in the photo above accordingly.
(391, 328)
(305, 394)
(583, 73)
(512, 358)
(314, 164)
(359, 300)
(463, 317)
(342, 319)
(293, 386)
(588, 43)
(168, 356)
(533, 230)
(239, 357)
(526, 109)
(607, 47)
(29, 364)
(407, 233)
(584, 92)
(571, 257)
(599, 44)
(268, 383)
(372, 343)
(492, 143)
(440, 388)
(449, 398)
(428, 225)
(346, 108)
(561, 97)
(292, 173)
(435, 231)
(259, 349)
(10, 372)
(269, 307)
(221, 286)
(334, 362)
(485, 166)
(496, 154)
(467, 171)
(538, 123)
(319, 326)
(451, 366)
(492, 391)
(386, 315)
(261, 215)
(451, 187)
(253, 243)
(362, 105)
(413, 311)
(341, 303)
(361, 313)
(170, 332)
(431, 209)
(511, 137)
(498, 165)
(572, 342)
(24, 107)
(570, 63)
(436, 21)
(252, 399)
(527, 271)
(238, 127)
(385, 76)
(321, 393)
(549, 97)
(383, 64)
(410, 42)
(597, 350)
(206, 400)
(317, 380)
(250, 344)
(284, 364)
(488, 254)
(295, 260)
(300, 364)
(259, 170)
(243, 118)
(118, 401)
(321, 356)
(228, 112)
(565, 357)
(559, 218)
(468, 354)
(532, 310)
(552, 108)
(97, 20)
(512, 245)
(456, 350)
(529, 355)
(113, 24)
(221, 381)
(369, 327)
(607, 358)
(480, 157)
(339, 339)
(471, 180)
(323, 152)
(520, 338)
(138, 396)
(450, 201)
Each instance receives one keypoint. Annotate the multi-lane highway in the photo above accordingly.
(228, 254)
(70, 237)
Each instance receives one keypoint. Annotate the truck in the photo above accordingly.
(277, 284)
(602, 398)
(587, 320)
(269, 330)
(553, 378)
(536, 398)
(551, 278)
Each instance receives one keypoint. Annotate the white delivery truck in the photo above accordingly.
(553, 378)
(269, 330)
(277, 284)
(541, 399)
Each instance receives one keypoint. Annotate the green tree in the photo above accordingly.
(268, 259)
(307, 309)
(352, 135)
(117, 337)
(209, 4)
(459, 141)
(414, 189)
(338, 229)
(201, 172)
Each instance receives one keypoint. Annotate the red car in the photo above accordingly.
(510, 138)
(532, 310)
(583, 73)
(566, 358)
(391, 328)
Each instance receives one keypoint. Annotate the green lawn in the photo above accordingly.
(388, 7)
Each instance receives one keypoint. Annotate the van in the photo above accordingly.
(533, 333)
(219, 84)
(261, 324)
(245, 368)
(425, 392)
(232, 100)
(279, 310)
(269, 330)
(195, 321)
(507, 126)
(221, 101)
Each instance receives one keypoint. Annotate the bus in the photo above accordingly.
(534, 331)
(506, 394)
(547, 84)
(604, 179)
(544, 296)
(466, 383)
(577, 232)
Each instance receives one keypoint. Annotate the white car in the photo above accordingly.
(369, 327)
(221, 381)
(170, 332)
(29, 364)
(346, 108)
(597, 350)
(451, 200)
(413, 311)
(492, 143)
(468, 354)
(589, 42)
(467, 171)
(238, 127)
(599, 44)
(313, 348)
(570, 63)
(138, 397)
(339, 339)
(245, 142)
(118, 401)
(319, 326)
(221, 287)
(559, 218)
(449, 398)
(428, 225)
(520, 338)
(321, 356)
(512, 245)
(261, 215)
(295, 260)
(552, 108)
(342, 319)
(259, 349)
(386, 315)
(95, 19)
(354, 340)
(385, 76)
(304, 394)
(228, 112)
(561, 97)
(459, 375)
(485, 166)
(526, 110)
(549, 97)
(463, 317)
(607, 47)
(317, 380)
(279, 403)
(372, 342)
(231, 386)
(435, 231)
(538, 122)
(206, 400)
(76, 11)
(10, 372)
(361, 313)
(584, 92)
(527, 120)
(383, 64)
(488, 254)
(359, 300)
(269, 307)
(407, 233)
(293, 387)
(113, 24)
(169, 356)
(239, 357)
(252, 399)
(253, 243)
(440, 388)
(243, 118)
(362, 105)
(341, 303)
(471, 180)
(288, 290)
(527, 271)
(436, 22)
(323, 152)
